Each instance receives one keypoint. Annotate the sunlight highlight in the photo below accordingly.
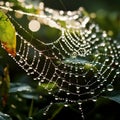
(34, 25)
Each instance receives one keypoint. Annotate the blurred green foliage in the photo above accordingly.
(26, 100)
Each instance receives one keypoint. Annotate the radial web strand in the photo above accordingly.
(82, 63)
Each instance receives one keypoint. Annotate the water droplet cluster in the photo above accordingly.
(81, 64)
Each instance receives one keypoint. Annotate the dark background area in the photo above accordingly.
(90, 5)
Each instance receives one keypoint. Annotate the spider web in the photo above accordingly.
(81, 64)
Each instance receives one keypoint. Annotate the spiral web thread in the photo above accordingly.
(80, 65)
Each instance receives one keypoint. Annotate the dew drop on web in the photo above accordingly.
(110, 87)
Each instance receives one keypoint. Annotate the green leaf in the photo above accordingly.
(104, 109)
(56, 109)
(19, 87)
(4, 86)
(89, 66)
(4, 117)
(114, 96)
(49, 86)
(7, 34)
(31, 108)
